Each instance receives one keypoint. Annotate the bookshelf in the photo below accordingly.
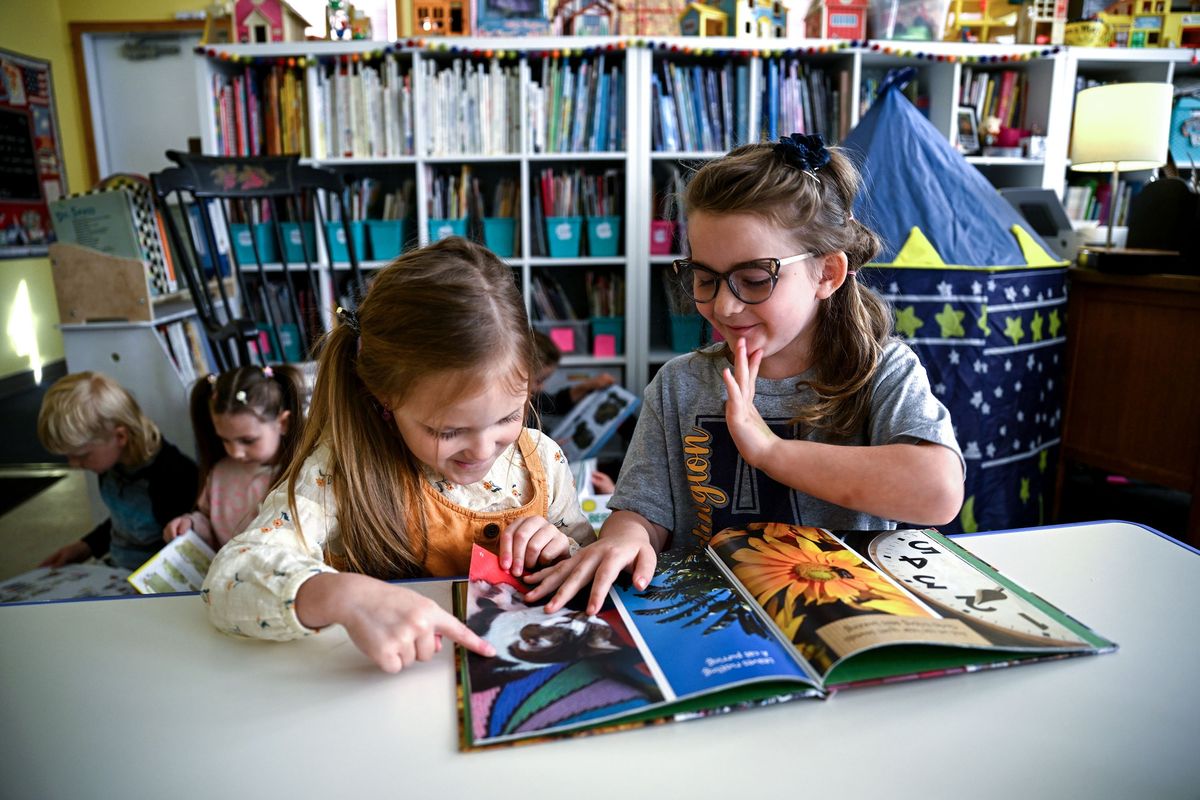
(496, 107)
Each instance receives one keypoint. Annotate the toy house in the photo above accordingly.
(586, 18)
(836, 19)
(651, 17)
(751, 18)
(441, 18)
(1150, 23)
(262, 21)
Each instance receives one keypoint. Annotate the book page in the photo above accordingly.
(628, 664)
(833, 601)
(179, 567)
(593, 421)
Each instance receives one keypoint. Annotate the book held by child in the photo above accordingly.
(765, 614)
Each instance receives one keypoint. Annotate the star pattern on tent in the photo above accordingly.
(1010, 294)
(1013, 329)
(983, 322)
(907, 321)
(1035, 326)
(1055, 323)
(954, 357)
(976, 287)
(951, 322)
(1024, 490)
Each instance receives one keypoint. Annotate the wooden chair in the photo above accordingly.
(259, 224)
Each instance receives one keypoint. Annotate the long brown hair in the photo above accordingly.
(816, 208)
(264, 392)
(452, 308)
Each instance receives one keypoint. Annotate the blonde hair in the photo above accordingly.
(449, 309)
(86, 407)
(816, 208)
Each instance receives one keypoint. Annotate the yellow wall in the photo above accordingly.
(40, 30)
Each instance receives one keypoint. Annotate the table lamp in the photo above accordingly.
(1121, 127)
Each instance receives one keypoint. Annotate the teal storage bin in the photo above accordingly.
(246, 236)
(608, 326)
(336, 240)
(445, 228)
(686, 330)
(289, 332)
(562, 236)
(498, 235)
(299, 237)
(386, 237)
(604, 236)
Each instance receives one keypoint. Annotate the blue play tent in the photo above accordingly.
(978, 296)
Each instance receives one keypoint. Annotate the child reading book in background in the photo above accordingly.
(247, 422)
(562, 401)
(809, 413)
(415, 449)
(144, 480)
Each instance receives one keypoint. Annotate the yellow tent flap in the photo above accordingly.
(1035, 254)
(918, 251)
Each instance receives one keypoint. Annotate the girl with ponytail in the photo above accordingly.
(414, 450)
(807, 412)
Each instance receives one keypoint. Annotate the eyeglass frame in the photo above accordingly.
(727, 277)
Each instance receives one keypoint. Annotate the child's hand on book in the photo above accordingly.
(393, 626)
(625, 543)
(177, 527)
(751, 435)
(531, 541)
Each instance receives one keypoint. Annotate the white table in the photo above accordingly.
(140, 698)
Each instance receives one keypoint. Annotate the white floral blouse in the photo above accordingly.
(252, 584)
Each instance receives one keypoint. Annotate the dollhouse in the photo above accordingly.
(1150, 23)
(262, 21)
(836, 19)
(586, 18)
(441, 18)
(748, 18)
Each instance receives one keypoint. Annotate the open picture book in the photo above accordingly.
(179, 567)
(765, 614)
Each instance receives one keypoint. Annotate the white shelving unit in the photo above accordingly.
(1050, 80)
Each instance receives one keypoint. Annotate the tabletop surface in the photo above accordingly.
(140, 697)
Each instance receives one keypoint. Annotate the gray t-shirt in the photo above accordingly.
(683, 471)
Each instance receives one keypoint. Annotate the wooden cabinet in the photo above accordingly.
(1133, 379)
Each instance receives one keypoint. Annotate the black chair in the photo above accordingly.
(273, 203)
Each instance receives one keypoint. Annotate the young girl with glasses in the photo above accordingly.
(415, 449)
(808, 413)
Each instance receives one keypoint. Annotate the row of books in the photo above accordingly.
(798, 97)
(1089, 200)
(364, 110)
(260, 112)
(549, 299)
(1000, 94)
(577, 106)
(471, 107)
(188, 349)
(698, 107)
(872, 82)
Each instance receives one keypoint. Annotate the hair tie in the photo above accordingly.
(348, 317)
(268, 372)
(850, 273)
(805, 152)
(211, 378)
(240, 396)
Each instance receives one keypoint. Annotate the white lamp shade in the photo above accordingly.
(1121, 126)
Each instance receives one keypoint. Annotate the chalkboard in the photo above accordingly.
(31, 167)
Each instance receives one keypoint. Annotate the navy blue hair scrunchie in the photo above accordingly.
(805, 152)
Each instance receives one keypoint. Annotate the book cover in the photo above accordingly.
(593, 421)
(767, 613)
(179, 567)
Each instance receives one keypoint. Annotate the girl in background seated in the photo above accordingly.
(247, 422)
(415, 449)
(144, 480)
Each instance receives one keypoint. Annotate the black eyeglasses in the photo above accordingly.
(751, 282)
